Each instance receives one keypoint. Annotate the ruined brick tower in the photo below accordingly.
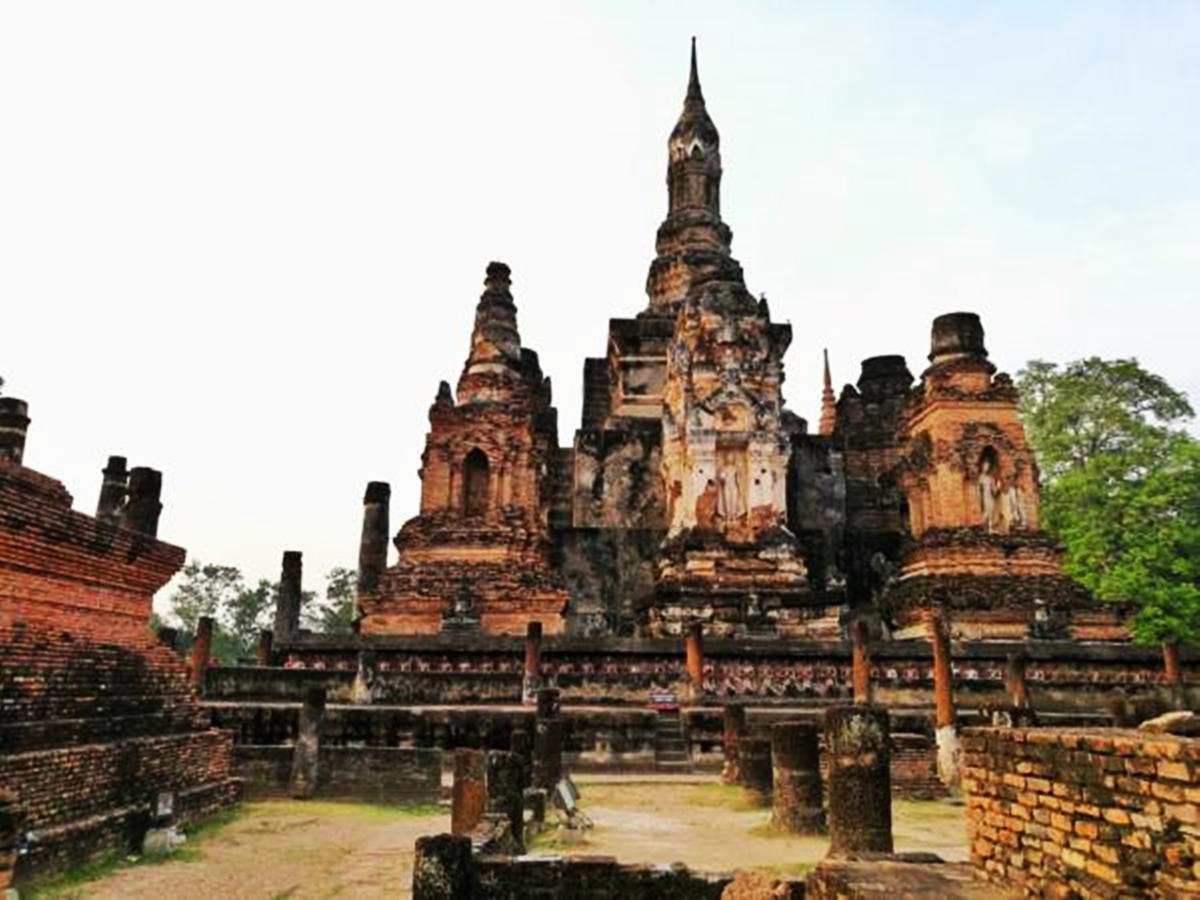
(971, 489)
(691, 494)
(477, 556)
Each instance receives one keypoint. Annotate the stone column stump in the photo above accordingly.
(306, 754)
(754, 769)
(547, 742)
(505, 795)
(735, 728)
(468, 799)
(797, 801)
(858, 743)
(443, 869)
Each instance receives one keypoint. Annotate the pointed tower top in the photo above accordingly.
(828, 403)
(693, 91)
(494, 364)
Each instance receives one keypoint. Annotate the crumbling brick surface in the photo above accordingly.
(67, 569)
(1085, 813)
(96, 717)
(477, 557)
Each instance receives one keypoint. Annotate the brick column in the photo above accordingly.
(860, 781)
(735, 728)
(262, 656)
(373, 548)
(1173, 672)
(468, 798)
(945, 721)
(521, 745)
(797, 803)
(547, 742)
(1014, 681)
(443, 868)
(505, 796)
(754, 769)
(14, 426)
(201, 651)
(695, 657)
(860, 661)
(287, 604)
(114, 486)
(142, 508)
(532, 681)
(306, 754)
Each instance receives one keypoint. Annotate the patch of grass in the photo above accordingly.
(326, 809)
(787, 870)
(71, 882)
(727, 796)
(769, 829)
(559, 840)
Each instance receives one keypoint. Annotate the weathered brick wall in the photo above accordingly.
(593, 739)
(58, 688)
(92, 732)
(369, 774)
(592, 876)
(96, 718)
(1084, 813)
(1063, 676)
(67, 569)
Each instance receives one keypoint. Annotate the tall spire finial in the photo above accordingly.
(693, 91)
(828, 404)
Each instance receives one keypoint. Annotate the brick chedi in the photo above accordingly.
(477, 555)
(971, 490)
(97, 719)
(691, 494)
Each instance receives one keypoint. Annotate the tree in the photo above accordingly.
(248, 612)
(204, 591)
(1122, 487)
(335, 613)
(239, 612)
(1092, 407)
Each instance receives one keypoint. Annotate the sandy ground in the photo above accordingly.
(277, 849)
(709, 827)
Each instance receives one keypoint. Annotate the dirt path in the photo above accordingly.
(276, 849)
(710, 828)
(287, 849)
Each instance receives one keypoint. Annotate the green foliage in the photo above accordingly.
(1122, 487)
(333, 614)
(1093, 407)
(240, 611)
(1132, 531)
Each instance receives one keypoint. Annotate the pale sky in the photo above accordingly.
(242, 242)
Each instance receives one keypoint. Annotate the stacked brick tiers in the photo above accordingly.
(691, 493)
(1069, 813)
(970, 484)
(477, 556)
(96, 719)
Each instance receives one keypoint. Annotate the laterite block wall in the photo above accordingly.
(1074, 813)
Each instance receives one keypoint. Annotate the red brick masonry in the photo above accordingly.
(1084, 813)
(96, 718)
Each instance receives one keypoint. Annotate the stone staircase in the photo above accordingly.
(670, 745)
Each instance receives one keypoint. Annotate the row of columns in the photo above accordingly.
(784, 772)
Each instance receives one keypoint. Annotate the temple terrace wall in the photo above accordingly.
(488, 669)
(1095, 813)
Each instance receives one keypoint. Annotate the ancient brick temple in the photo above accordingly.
(691, 493)
(478, 555)
(100, 730)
